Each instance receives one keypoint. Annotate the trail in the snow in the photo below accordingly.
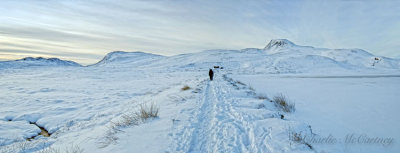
(217, 127)
(218, 130)
(227, 118)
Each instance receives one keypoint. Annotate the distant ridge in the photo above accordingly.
(278, 56)
(36, 61)
(126, 57)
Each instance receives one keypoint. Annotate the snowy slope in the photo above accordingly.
(279, 56)
(339, 106)
(79, 105)
(289, 57)
(36, 62)
(283, 56)
(128, 58)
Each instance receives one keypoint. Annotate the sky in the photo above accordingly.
(86, 30)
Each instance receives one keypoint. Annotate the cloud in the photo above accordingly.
(90, 29)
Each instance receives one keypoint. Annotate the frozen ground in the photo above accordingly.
(77, 106)
(80, 106)
(340, 105)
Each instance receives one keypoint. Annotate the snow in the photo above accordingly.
(121, 58)
(36, 62)
(16, 131)
(276, 45)
(340, 105)
(336, 91)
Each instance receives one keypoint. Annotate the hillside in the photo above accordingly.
(36, 62)
(51, 104)
(279, 56)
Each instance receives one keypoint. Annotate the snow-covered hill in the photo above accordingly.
(289, 57)
(279, 56)
(88, 107)
(36, 62)
(128, 58)
(276, 45)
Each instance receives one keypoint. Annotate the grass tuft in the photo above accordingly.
(299, 138)
(283, 103)
(133, 118)
(148, 112)
(186, 87)
(262, 97)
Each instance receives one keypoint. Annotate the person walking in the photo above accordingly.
(211, 74)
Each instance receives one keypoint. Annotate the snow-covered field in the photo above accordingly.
(340, 106)
(85, 107)
(78, 106)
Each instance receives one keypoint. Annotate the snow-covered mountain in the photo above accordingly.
(53, 104)
(121, 57)
(289, 57)
(279, 56)
(38, 61)
(278, 44)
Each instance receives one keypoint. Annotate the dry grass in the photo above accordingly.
(241, 83)
(43, 132)
(296, 137)
(38, 147)
(133, 118)
(70, 149)
(186, 87)
(74, 149)
(299, 138)
(283, 103)
(148, 112)
(262, 97)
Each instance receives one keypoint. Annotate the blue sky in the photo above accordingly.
(84, 31)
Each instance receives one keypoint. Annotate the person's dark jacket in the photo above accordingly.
(211, 74)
